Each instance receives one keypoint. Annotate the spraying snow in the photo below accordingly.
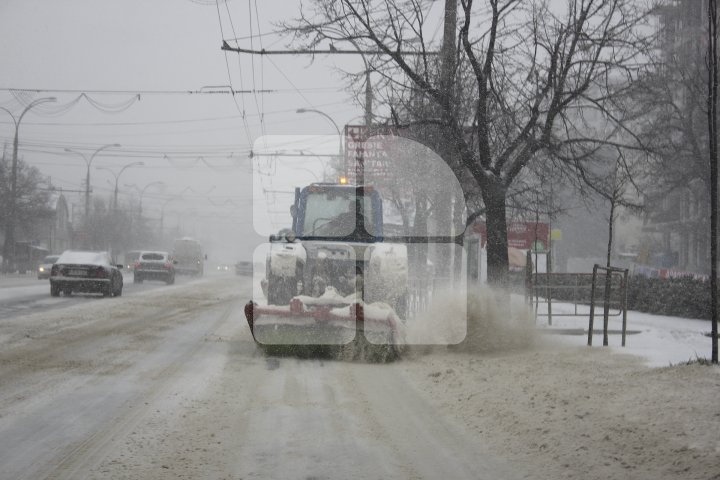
(473, 322)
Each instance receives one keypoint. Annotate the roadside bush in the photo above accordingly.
(679, 297)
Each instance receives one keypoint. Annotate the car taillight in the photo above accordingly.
(100, 273)
(136, 265)
(168, 265)
(54, 270)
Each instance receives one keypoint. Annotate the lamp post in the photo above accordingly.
(339, 132)
(88, 163)
(117, 178)
(9, 246)
(142, 193)
(162, 217)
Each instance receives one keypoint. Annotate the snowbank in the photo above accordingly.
(581, 413)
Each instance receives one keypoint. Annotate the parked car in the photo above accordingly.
(43, 270)
(154, 266)
(90, 272)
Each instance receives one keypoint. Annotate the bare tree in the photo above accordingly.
(31, 197)
(541, 83)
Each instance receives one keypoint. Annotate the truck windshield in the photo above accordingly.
(332, 214)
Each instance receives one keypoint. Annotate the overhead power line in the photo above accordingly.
(206, 90)
(330, 51)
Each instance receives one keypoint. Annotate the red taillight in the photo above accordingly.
(54, 270)
(136, 265)
(100, 273)
(168, 265)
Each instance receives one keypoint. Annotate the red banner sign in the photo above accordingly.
(521, 235)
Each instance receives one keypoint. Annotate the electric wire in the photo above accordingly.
(227, 66)
(252, 68)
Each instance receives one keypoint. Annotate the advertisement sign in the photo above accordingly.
(365, 152)
(521, 235)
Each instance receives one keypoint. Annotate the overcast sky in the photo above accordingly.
(193, 142)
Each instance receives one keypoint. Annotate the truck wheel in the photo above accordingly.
(280, 290)
(54, 290)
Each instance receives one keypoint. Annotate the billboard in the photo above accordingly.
(521, 235)
(365, 153)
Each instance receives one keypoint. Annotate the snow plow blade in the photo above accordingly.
(348, 332)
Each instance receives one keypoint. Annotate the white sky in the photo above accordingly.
(133, 45)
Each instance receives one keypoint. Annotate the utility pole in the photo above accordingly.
(444, 200)
(9, 246)
(712, 130)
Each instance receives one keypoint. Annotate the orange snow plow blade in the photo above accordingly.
(300, 324)
(350, 332)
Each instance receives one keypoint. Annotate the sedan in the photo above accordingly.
(44, 268)
(91, 272)
(154, 266)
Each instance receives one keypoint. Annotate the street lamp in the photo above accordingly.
(9, 246)
(142, 192)
(88, 163)
(340, 135)
(117, 177)
(162, 216)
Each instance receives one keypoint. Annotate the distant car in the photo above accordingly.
(90, 272)
(43, 270)
(243, 268)
(130, 258)
(154, 265)
(223, 267)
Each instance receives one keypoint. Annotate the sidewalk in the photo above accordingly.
(660, 339)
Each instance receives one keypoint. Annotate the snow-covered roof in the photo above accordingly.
(75, 257)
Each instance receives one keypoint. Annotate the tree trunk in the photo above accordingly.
(496, 221)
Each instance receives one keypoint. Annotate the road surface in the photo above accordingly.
(165, 382)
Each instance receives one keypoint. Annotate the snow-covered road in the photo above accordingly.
(167, 383)
(170, 384)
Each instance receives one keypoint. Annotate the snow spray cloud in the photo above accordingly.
(366, 226)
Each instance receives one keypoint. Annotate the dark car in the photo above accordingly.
(243, 268)
(154, 266)
(45, 266)
(89, 272)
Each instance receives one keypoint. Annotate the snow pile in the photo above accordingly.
(581, 413)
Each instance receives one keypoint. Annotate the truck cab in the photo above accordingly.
(334, 211)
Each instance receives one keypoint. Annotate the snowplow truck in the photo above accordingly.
(331, 284)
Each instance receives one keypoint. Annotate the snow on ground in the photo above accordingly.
(546, 405)
(555, 408)
(571, 412)
(20, 292)
(660, 340)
